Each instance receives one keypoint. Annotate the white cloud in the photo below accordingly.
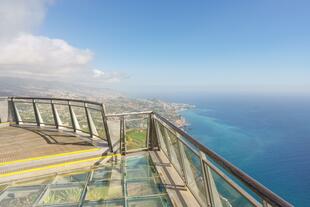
(23, 54)
(98, 73)
(18, 16)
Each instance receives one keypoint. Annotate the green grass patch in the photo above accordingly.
(136, 138)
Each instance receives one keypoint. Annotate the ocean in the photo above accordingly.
(268, 137)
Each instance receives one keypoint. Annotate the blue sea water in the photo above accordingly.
(268, 137)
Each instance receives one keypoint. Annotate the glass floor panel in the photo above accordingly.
(158, 201)
(142, 187)
(61, 195)
(114, 203)
(130, 181)
(20, 196)
(105, 191)
(71, 178)
(141, 172)
(104, 174)
(42, 181)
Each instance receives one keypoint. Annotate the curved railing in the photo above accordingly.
(212, 180)
(82, 116)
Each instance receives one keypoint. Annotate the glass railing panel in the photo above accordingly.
(234, 179)
(176, 158)
(20, 196)
(193, 173)
(136, 133)
(64, 115)
(80, 114)
(97, 119)
(26, 111)
(226, 194)
(46, 112)
(160, 135)
(114, 128)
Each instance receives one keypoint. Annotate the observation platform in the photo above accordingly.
(64, 152)
(28, 147)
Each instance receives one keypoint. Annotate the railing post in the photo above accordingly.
(206, 180)
(122, 135)
(152, 135)
(106, 127)
(37, 114)
(149, 138)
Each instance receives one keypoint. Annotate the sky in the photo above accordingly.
(144, 46)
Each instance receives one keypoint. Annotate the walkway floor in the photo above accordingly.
(22, 143)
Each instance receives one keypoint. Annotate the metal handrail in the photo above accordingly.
(56, 99)
(250, 182)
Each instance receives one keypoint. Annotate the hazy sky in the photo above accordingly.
(142, 45)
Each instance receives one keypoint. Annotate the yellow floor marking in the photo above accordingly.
(48, 156)
(56, 165)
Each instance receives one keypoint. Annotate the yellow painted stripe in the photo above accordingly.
(56, 165)
(48, 156)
